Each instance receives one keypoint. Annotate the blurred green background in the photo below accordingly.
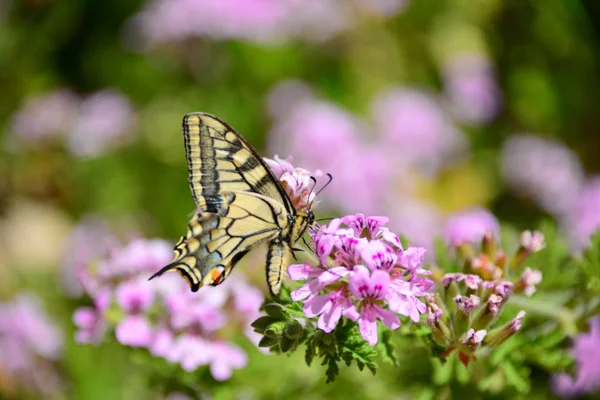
(92, 96)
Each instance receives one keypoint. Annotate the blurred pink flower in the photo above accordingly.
(91, 125)
(583, 219)
(43, 117)
(106, 119)
(544, 170)
(29, 342)
(134, 298)
(586, 351)
(164, 316)
(89, 242)
(469, 226)
(471, 87)
(415, 129)
(267, 21)
(90, 321)
(226, 358)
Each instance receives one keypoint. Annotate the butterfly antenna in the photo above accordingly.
(325, 185)
(320, 190)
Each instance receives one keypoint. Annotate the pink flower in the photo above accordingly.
(90, 322)
(583, 218)
(134, 298)
(363, 274)
(329, 307)
(44, 117)
(544, 170)
(533, 241)
(316, 278)
(297, 182)
(369, 289)
(471, 87)
(469, 226)
(586, 351)
(105, 120)
(529, 279)
(226, 358)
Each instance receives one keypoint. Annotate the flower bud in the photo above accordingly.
(501, 335)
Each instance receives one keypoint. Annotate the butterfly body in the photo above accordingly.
(241, 205)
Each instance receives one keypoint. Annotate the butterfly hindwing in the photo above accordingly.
(215, 242)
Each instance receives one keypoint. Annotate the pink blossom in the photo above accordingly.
(470, 84)
(369, 289)
(44, 117)
(105, 120)
(469, 226)
(474, 338)
(226, 358)
(529, 279)
(533, 241)
(544, 170)
(329, 307)
(583, 218)
(586, 351)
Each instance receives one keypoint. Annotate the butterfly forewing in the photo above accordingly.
(220, 160)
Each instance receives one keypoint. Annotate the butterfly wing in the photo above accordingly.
(220, 160)
(215, 242)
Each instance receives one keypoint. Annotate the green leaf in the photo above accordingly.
(387, 348)
(309, 354)
(261, 324)
(276, 311)
(518, 378)
(332, 370)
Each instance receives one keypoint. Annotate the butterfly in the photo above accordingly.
(241, 205)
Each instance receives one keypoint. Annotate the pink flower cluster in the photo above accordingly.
(30, 342)
(463, 312)
(266, 21)
(363, 274)
(91, 125)
(162, 315)
(586, 351)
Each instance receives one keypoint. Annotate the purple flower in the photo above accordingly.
(44, 117)
(369, 289)
(583, 218)
(105, 120)
(416, 129)
(171, 322)
(471, 87)
(89, 242)
(90, 321)
(226, 358)
(474, 338)
(328, 307)
(297, 182)
(29, 343)
(586, 351)
(469, 226)
(134, 298)
(533, 242)
(467, 304)
(529, 279)
(363, 274)
(544, 170)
